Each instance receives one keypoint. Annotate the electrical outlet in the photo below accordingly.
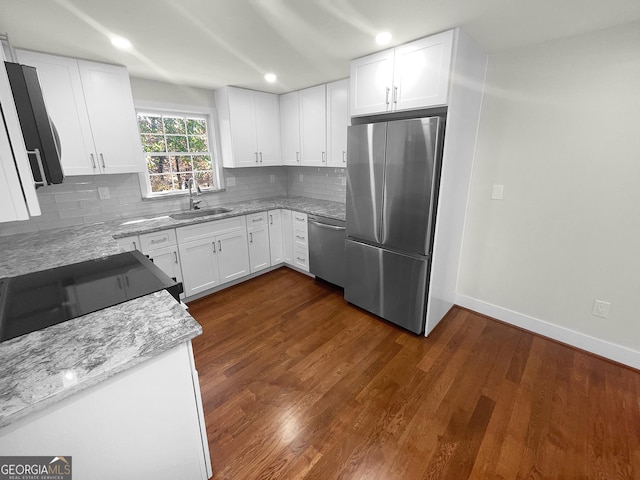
(103, 193)
(344, 180)
(272, 179)
(301, 178)
(600, 309)
(497, 192)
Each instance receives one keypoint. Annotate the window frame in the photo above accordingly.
(175, 109)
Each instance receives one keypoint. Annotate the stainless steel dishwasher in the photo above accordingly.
(326, 249)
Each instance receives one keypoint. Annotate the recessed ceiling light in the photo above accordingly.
(121, 43)
(270, 77)
(383, 38)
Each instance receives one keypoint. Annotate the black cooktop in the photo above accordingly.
(38, 300)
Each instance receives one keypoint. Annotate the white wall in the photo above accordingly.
(560, 129)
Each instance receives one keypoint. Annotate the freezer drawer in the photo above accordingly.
(389, 284)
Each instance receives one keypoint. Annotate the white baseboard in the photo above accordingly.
(603, 348)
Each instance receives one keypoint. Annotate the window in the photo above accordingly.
(177, 148)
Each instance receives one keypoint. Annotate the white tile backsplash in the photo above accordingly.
(77, 200)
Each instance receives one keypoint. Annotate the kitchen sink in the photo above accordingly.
(199, 213)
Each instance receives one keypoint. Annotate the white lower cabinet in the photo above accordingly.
(287, 237)
(258, 232)
(213, 253)
(149, 418)
(300, 241)
(276, 246)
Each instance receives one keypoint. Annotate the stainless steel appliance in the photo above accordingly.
(393, 171)
(326, 248)
(38, 300)
(40, 136)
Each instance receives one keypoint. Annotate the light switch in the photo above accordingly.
(496, 192)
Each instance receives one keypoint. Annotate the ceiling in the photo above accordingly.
(211, 43)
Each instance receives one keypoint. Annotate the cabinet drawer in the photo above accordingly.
(300, 238)
(151, 241)
(256, 219)
(209, 229)
(301, 258)
(299, 220)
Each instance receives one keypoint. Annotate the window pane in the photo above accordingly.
(153, 143)
(174, 125)
(196, 127)
(177, 144)
(198, 144)
(149, 124)
(204, 179)
(158, 164)
(202, 162)
(181, 164)
(161, 183)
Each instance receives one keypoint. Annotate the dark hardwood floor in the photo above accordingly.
(296, 383)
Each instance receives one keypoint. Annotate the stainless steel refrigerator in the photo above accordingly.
(393, 171)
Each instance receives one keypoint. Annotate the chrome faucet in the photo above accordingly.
(193, 204)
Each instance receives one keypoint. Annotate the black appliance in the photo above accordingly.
(38, 300)
(39, 134)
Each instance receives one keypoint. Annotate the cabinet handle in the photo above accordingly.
(126, 281)
(250, 237)
(344, 157)
(386, 99)
(161, 240)
(256, 219)
(323, 157)
(260, 157)
(119, 283)
(300, 237)
(102, 161)
(301, 259)
(135, 247)
(395, 95)
(219, 246)
(214, 246)
(256, 157)
(175, 257)
(271, 219)
(298, 157)
(93, 161)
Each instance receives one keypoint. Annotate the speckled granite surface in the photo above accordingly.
(313, 206)
(44, 367)
(101, 344)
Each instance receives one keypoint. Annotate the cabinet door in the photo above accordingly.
(128, 244)
(167, 260)
(107, 92)
(259, 252)
(313, 126)
(371, 81)
(276, 244)
(242, 122)
(290, 128)
(421, 74)
(267, 114)
(62, 90)
(233, 255)
(337, 122)
(199, 260)
(287, 237)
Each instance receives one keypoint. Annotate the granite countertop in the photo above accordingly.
(46, 366)
(49, 365)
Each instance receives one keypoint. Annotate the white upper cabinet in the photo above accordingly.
(249, 127)
(337, 122)
(91, 106)
(313, 126)
(290, 128)
(411, 76)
